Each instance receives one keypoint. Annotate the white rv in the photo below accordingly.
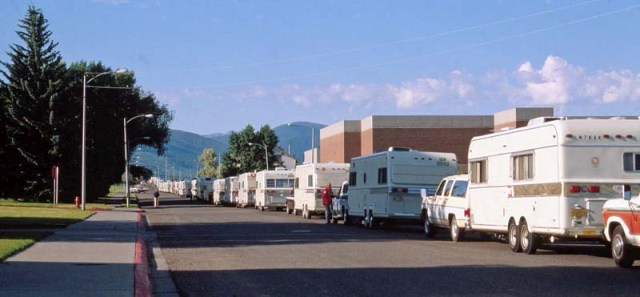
(550, 179)
(386, 186)
(202, 187)
(310, 179)
(230, 191)
(218, 191)
(246, 189)
(273, 187)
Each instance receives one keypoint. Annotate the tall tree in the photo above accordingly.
(209, 160)
(35, 82)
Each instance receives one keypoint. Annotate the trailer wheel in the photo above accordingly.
(372, 222)
(528, 240)
(346, 219)
(514, 237)
(456, 233)
(365, 220)
(620, 249)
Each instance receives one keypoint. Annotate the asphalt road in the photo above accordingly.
(222, 251)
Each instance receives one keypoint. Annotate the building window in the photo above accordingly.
(382, 176)
(352, 178)
(631, 162)
(478, 172)
(523, 167)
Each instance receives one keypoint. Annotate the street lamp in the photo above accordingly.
(126, 152)
(266, 154)
(313, 137)
(83, 178)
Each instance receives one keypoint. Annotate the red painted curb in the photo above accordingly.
(142, 284)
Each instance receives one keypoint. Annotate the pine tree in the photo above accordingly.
(33, 96)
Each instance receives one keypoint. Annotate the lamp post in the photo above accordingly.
(126, 152)
(83, 178)
(313, 137)
(266, 153)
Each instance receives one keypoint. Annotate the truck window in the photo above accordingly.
(447, 188)
(459, 188)
(441, 188)
(382, 175)
(631, 162)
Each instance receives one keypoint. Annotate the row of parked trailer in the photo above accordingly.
(550, 180)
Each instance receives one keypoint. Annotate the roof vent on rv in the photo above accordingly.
(398, 149)
(542, 120)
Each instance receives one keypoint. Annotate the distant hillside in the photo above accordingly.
(184, 148)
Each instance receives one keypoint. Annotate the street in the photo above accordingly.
(225, 251)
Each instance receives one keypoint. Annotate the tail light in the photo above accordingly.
(594, 189)
(575, 189)
(467, 212)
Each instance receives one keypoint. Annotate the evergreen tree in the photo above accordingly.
(35, 82)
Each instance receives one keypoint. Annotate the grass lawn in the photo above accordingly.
(12, 243)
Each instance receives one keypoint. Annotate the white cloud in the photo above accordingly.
(553, 84)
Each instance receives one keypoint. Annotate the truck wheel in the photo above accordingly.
(528, 240)
(346, 219)
(456, 233)
(513, 237)
(620, 249)
(429, 231)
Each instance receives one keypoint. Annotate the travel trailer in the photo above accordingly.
(273, 187)
(218, 191)
(246, 189)
(386, 186)
(310, 179)
(230, 191)
(447, 208)
(550, 179)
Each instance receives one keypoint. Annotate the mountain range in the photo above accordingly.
(183, 149)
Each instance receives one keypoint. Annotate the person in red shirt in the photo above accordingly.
(327, 194)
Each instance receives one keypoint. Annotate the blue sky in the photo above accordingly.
(220, 65)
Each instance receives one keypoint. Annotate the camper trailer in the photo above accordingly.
(201, 188)
(230, 191)
(273, 187)
(218, 191)
(386, 186)
(246, 189)
(550, 179)
(310, 179)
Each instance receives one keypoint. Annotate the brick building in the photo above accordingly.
(344, 140)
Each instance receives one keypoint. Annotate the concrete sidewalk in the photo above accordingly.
(95, 257)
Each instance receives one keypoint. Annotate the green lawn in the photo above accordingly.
(12, 243)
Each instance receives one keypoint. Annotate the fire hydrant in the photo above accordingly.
(77, 200)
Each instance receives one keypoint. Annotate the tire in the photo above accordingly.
(304, 212)
(366, 219)
(261, 208)
(456, 233)
(528, 241)
(372, 222)
(429, 230)
(346, 219)
(621, 252)
(513, 237)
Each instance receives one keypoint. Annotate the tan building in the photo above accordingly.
(344, 140)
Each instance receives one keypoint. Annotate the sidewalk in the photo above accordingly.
(95, 257)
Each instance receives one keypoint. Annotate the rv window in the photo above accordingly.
(282, 183)
(310, 181)
(364, 178)
(523, 167)
(478, 172)
(382, 176)
(297, 183)
(352, 178)
(631, 162)
(441, 188)
(459, 189)
(447, 188)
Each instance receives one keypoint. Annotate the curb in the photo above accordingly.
(141, 281)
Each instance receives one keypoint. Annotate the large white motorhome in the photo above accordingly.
(386, 186)
(218, 191)
(230, 191)
(310, 179)
(273, 187)
(550, 179)
(246, 189)
(201, 187)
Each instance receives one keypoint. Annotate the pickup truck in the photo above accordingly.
(340, 205)
(447, 208)
(622, 228)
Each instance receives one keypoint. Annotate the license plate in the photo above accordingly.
(588, 232)
(578, 212)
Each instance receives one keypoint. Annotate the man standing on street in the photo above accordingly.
(326, 200)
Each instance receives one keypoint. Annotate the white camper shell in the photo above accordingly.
(230, 191)
(386, 186)
(550, 179)
(218, 191)
(310, 179)
(273, 187)
(246, 189)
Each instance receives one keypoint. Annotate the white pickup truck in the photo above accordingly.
(622, 228)
(447, 208)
